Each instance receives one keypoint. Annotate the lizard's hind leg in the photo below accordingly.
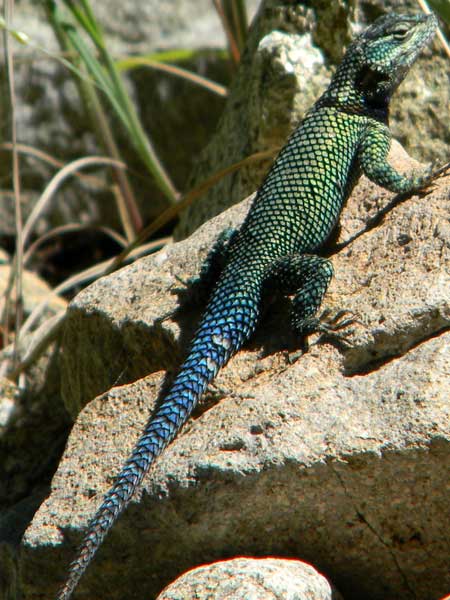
(307, 277)
(216, 259)
(212, 266)
(200, 286)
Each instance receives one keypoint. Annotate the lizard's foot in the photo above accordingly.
(329, 323)
(334, 328)
(426, 178)
(325, 323)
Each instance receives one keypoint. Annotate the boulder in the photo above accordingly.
(252, 579)
(338, 457)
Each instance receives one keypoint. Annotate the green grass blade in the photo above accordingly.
(85, 19)
(110, 79)
(97, 71)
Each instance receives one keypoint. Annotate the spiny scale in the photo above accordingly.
(293, 213)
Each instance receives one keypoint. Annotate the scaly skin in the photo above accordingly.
(344, 133)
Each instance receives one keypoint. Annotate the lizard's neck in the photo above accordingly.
(357, 89)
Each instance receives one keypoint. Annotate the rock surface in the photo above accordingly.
(339, 458)
(252, 579)
(291, 54)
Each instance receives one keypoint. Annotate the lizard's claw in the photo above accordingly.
(336, 322)
(427, 180)
(330, 327)
(440, 171)
(334, 329)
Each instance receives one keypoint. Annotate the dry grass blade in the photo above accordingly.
(232, 43)
(141, 61)
(85, 276)
(55, 182)
(127, 208)
(91, 180)
(17, 271)
(75, 227)
(240, 21)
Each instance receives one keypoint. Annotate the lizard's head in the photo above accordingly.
(387, 49)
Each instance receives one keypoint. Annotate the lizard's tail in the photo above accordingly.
(228, 322)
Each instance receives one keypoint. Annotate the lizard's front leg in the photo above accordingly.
(372, 155)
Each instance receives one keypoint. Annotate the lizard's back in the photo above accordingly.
(301, 198)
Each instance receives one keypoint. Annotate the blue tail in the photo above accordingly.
(229, 320)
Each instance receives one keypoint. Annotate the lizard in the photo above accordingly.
(344, 134)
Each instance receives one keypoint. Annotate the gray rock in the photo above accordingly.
(284, 71)
(132, 26)
(339, 458)
(252, 579)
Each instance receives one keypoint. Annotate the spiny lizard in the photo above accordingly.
(295, 209)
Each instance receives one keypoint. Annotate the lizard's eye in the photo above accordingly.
(401, 32)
